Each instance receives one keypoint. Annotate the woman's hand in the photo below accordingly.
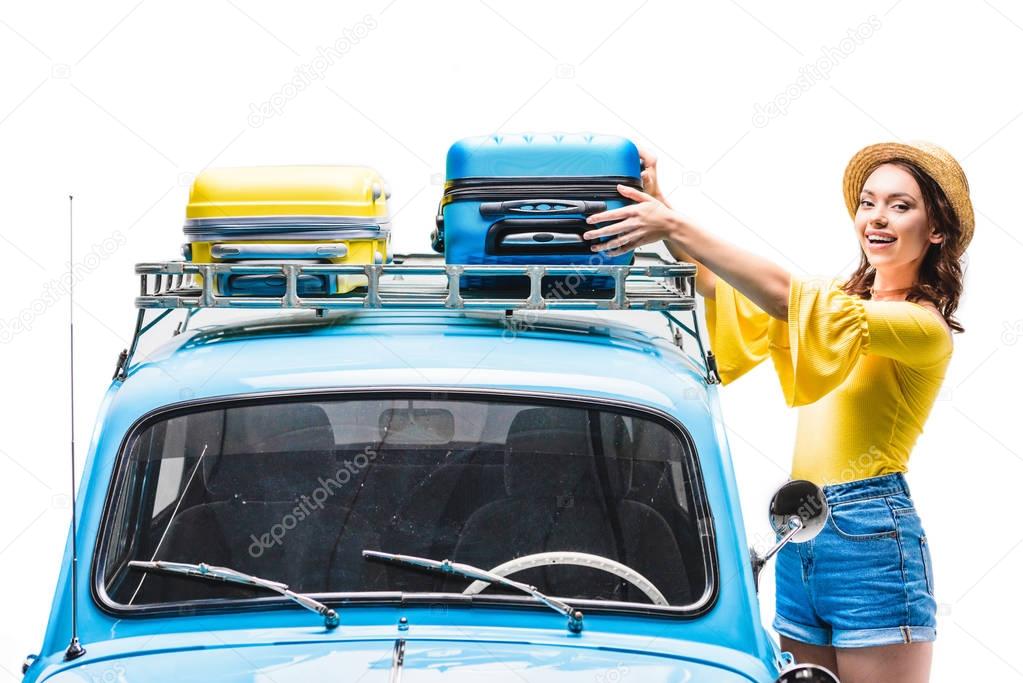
(648, 175)
(645, 222)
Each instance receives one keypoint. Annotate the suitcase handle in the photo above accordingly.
(523, 236)
(240, 250)
(547, 207)
(273, 285)
(437, 236)
(530, 238)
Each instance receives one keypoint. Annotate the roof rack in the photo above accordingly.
(424, 282)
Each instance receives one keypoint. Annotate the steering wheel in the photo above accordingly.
(578, 559)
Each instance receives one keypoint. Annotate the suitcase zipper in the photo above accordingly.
(514, 187)
(603, 187)
(205, 229)
(305, 222)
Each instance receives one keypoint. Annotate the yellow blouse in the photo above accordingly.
(863, 373)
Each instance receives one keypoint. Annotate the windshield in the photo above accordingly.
(592, 502)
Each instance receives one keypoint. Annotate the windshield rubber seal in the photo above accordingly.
(703, 516)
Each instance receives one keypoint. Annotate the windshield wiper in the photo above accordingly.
(214, 573)
(467, 571)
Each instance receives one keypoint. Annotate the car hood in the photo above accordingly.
(409, 661)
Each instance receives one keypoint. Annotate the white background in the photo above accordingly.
(123, 102)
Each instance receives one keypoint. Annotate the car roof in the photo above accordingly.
(560, 354)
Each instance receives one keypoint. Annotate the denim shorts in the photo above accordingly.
(866, 579)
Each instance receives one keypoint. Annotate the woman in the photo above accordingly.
(863, 360)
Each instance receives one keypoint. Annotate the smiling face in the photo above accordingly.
(892, 206)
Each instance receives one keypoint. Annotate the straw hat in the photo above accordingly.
(935, 161)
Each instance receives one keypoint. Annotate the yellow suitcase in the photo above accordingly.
(301, 214)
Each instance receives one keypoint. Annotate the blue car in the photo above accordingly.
(414, 482)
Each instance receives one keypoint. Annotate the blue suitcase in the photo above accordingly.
(523, 199)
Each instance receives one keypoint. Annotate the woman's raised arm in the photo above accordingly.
(650, 220)
(705, 278)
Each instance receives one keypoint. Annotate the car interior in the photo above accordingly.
(295, 490)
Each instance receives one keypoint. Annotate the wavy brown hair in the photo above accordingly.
(940, 279)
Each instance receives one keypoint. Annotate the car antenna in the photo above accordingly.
(74, 648)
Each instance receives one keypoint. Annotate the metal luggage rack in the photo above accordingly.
(425, 282)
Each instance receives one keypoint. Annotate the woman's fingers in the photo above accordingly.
(603, 232)
(611, 230)
(648, 174)
(612, 215)
(633, 193)
(649, 178)
(633, 233)
(623, 211)
(614, 244)
(646, 157)
(627, 243)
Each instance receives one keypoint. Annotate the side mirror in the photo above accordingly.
(807, 673)
(798, 511)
